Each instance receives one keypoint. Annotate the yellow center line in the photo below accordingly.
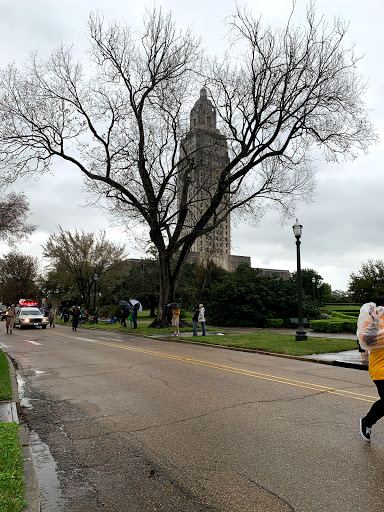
(240, 371)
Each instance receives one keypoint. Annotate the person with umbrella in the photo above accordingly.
(135, 309)
(125, 308)
(124, 313)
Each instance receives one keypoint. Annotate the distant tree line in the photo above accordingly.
(244, 297)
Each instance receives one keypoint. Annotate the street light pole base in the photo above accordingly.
(301, 336)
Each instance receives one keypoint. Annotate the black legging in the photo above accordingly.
(377, 410)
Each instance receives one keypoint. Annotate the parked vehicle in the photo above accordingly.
(3, 312)
(30, 317)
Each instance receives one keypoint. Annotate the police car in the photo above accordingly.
(30, 317)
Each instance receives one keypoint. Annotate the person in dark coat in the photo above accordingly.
(134, 315)
(123, 318)
(75, 317)
(195, 318)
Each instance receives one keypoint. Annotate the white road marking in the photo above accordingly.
(84, 339)
(33, 342)
(3, 345)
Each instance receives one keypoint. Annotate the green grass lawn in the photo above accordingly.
(266, 341)
(12, 486)
(5, 380)
(280, 343)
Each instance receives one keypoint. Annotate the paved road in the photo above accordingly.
(135, 424)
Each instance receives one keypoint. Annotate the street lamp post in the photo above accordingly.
(314, 287)
(319, 285)
(301, 335)
(95, 277)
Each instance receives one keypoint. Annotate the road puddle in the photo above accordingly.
(45, 466)
(46, 471)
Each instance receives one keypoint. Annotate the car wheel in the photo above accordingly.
(20, 326)
(44, 326)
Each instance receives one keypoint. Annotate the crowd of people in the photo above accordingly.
(128, 314)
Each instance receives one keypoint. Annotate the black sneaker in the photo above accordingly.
(364, 430)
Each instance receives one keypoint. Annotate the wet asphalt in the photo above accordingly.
(36, 451)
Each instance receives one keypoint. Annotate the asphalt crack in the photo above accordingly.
(222, 409)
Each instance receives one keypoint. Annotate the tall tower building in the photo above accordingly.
(203, 155)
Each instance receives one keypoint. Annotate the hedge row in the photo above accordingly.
(338, 314)
(275, 322)
(333, 325)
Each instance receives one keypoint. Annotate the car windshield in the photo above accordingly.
(35, 312)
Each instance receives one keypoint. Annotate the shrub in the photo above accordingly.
(275, 322)
(334, 325)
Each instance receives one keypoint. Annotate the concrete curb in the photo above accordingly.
(32, 494)
(311, 359)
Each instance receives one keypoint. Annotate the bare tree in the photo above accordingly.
(14, 208)
(78, 256)
(278, 94)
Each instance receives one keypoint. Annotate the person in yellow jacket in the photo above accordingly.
(176, 320)
(376, 371)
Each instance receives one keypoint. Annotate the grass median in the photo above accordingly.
(12, 486)
(279, 343)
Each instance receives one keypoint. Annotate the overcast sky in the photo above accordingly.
(342, 227)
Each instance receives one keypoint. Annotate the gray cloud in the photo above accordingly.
(342, 227)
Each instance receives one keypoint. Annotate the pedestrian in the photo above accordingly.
(130, 318)
(195, 319)
(75, 317)
(134, 315)
(376, 371)
(52, 317)
(201, 318)
(10, 318)
(123, 317)
(176, 320)
(96, 316)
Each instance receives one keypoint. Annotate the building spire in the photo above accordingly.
(203, 114)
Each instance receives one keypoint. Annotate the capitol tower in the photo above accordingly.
(205, 150)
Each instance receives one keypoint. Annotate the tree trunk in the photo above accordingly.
(167, 293)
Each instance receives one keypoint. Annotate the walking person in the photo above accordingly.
(75, 317)
(10, 318)
(134, 315)
(52, 317)
(176, 320)
(195, 319)
(201, 318)
(376, 371)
